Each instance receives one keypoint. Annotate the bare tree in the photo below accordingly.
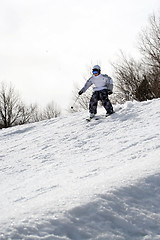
(149, 45)
(36, 113)
(140, 80)
(27, 113)
(149, 42)
(129, 74)
(144, 90)
(14, 112)
(10, 106)
(51, 111)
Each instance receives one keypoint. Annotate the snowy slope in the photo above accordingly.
(68, 179)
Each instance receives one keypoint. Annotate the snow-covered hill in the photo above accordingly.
(67, 179)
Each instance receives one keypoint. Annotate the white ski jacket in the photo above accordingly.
(102, 81)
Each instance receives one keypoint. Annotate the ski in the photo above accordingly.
(98, 117)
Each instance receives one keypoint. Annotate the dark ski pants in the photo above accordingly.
(100, 96)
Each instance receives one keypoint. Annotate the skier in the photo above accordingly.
(103, 87)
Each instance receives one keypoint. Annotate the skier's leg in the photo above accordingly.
(105, 101)
(93, 103)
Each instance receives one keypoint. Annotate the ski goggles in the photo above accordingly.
(95, 71)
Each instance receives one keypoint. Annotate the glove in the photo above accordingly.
(80, 92)
(109, 92)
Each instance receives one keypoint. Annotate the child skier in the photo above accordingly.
(103, 87)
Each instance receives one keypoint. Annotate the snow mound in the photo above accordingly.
(67, 179)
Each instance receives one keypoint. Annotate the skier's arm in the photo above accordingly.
(86, 86)
(109, 84)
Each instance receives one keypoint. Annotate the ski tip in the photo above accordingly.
(88, 119)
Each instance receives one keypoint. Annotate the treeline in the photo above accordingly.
(140, 80)
(14, 112)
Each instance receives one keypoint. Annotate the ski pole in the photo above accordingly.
(74, 102)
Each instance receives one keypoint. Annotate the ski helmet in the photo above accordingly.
(96, 67)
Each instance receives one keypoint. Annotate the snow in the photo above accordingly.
(65, 178)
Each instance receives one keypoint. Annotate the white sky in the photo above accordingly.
(48, 45)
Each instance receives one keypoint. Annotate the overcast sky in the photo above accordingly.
(48, 45)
